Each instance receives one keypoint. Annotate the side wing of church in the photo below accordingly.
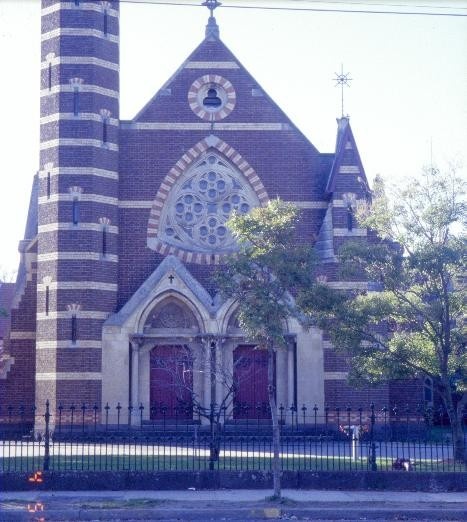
(114, 300)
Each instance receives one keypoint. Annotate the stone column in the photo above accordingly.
(199, 372)
(227, 362)
(291, 376)
(222, 371)
(138, 384)
(134, 395)
(310, 368)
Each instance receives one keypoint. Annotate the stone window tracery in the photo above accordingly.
(199, 205)
(170, 315)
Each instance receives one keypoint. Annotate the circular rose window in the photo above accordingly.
(194, 217)
(211, 97)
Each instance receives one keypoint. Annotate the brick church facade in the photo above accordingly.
(127, 223)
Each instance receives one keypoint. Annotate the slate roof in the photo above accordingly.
(7, 291)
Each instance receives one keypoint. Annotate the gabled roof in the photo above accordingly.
(30, 231)
(156, 284)
(212, 56)
(29, 240)
(346, 154)
(7, 291)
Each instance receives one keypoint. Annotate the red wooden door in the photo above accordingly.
(171, 382)
(251, 383)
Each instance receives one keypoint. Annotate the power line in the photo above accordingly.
(382, 4)
(314, 9)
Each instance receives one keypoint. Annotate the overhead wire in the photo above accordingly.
(318, 9)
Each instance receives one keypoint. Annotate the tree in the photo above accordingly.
(414, 325)
(269, 267)
(6, 276)
(223, 382)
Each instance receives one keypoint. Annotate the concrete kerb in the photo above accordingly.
(218, 480)
(240, 505)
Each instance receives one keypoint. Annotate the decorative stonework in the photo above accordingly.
(76, 82)
(349, 199)
(73, 308)
(105, 114)
(170, 315)
(212, 97)
(6, 361)
(75, 192)
(196, 198)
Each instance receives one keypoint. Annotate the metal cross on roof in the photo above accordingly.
(342, 79)
(211, 5)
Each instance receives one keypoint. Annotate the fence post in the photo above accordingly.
(47, 437)
(373, 466)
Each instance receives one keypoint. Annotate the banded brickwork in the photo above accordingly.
(255, 137)
(78, 195)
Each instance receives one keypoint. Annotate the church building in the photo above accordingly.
(115, 299)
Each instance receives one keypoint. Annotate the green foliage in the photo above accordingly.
(415, 324)
(269, 268)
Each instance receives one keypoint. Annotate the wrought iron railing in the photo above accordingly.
(84, 438)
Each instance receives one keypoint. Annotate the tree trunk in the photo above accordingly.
(455, 419)
(276, 465)
(214, 444)
(458, 440)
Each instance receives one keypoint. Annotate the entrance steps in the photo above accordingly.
(248, 427)
(187, 430)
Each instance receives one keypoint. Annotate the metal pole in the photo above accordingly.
(373, 466)
(47, 437)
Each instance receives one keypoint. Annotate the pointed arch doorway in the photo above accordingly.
(250, 373)
(171, 382)
(171, 359)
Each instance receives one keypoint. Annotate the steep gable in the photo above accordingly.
(213, 59)
(347, 172)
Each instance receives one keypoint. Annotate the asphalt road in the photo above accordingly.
(231, 505)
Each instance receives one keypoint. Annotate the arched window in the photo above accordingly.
(75, 101)
(49, 76)
(75, 211)
(104, 130)
(199, 205)
(74, 329)
(349, 218)
(428, 391)
(104, 241)
(171, 314)
(105, 22)
(47, 299)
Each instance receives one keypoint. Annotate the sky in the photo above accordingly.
(407, 100)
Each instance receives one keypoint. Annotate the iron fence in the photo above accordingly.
(83, 438)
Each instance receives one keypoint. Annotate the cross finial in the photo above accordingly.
(342, 79)
(211, 5)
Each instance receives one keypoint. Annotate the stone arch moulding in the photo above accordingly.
(227, 315)
(155, 240)
(167, 297)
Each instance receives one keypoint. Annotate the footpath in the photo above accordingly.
(231, 505)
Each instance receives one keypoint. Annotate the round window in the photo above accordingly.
(211, 97)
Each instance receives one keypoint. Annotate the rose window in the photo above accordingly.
(199, 205)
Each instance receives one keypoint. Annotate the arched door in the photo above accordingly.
(251, 383)
(171, 382)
